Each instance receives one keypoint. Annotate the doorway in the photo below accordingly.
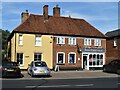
(85, 62)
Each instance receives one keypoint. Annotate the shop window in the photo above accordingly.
(95, 59)
(90, 59)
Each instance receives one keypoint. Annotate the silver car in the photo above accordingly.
(38, 68)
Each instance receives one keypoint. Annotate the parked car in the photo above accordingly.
(113, 67)
(10, 69)
(38, 68)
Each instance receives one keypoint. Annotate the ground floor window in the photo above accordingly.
(60, 57)
(37, 56)
(72, 57)
(20, 58)
(95, 59)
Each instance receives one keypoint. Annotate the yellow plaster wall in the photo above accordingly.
(28, 49)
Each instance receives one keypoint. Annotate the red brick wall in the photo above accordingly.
(66, 48)
(112, 52)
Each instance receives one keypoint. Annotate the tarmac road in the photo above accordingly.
(65, 79)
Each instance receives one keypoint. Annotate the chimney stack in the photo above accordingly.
(45, 12)
(24, 16)
(56, 11)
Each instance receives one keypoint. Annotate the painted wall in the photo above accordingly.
(28, 49)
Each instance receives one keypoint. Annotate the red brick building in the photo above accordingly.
(76, 43)
(113, 45)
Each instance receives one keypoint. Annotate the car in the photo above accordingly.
(10, 69)
(112, 67)
(37, 68)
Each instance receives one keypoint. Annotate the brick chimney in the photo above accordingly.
(56, 11)
(24, 16)
(45, 11)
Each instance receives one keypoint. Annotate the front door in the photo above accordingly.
(85, 66)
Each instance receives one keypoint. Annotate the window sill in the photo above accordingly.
(60, 63)
(20, 44)
(38, 45)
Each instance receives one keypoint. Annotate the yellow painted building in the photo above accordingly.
(27, 46)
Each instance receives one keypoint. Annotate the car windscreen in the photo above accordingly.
(9, 64)
(40, 64)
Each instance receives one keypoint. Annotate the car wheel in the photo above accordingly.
(104, 69)
(118, 72)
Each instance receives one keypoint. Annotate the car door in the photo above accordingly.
(113, 66)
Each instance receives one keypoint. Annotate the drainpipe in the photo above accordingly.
(15, 46)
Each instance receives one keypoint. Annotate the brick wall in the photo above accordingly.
(112, 52)
(66, 48)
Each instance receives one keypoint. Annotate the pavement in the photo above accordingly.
(73, 75)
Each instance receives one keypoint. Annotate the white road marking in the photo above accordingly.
(84, 85)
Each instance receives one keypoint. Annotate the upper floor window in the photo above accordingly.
(87, 42)
(38, 40)
(97, 42)
(115, 42)
(72, 41)
(60, 40)
(20, 40)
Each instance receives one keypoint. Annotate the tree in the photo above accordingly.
(5, 35)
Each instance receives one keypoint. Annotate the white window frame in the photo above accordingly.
(60, 40)
(38, 53)
(97, 42)
(87, 42)
(23, 58)
(72, 41)
(38, 42)
(115, 42)
(20, 39)
(63, 57)
(69, 57)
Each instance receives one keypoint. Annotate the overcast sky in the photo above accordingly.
(102, 15)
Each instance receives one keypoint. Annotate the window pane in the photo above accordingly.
(60, 58)
(71, 58)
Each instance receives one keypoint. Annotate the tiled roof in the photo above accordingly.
(58, 26)
(113, 33)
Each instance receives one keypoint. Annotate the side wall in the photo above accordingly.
(28, 49)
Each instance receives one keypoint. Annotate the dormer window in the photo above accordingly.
(60, 40)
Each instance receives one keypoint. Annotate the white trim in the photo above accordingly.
(80, 37)
(23, 59)
(86, 43)
(63, 57)
(20, 39)
(62, 40)
(87, 54)
(97, 42)
(72, 41)
(38, 53)
(69, 57)
(40, 43)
